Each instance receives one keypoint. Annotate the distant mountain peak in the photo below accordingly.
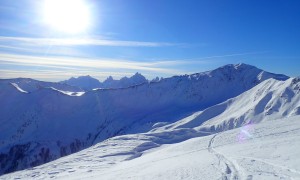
(124, 82)
(109, 78)
(85, 77)
(88, 82)
(242, 70)
(138, 76)
(85, 82)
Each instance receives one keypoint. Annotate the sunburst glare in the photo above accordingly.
(69, 16)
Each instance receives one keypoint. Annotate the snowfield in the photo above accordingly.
(268, 150)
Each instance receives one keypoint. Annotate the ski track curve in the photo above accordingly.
(231, 169)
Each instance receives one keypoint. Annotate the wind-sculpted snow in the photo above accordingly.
(50, 122)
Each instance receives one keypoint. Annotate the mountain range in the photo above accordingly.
(44, 121)
(90, 83)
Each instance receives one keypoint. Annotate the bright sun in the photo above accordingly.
(69, 16)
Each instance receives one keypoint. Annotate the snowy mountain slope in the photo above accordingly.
(271, 99)
(47, 124)
(268, 150)
(31, 85)
(90, 83)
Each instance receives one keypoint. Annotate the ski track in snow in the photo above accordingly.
(273, 165)
(231, 170)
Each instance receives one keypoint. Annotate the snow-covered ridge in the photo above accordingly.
(271, 99)
(83, 83)
(49, 123)
(31, 85)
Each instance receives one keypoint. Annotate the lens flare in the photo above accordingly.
(245, 133)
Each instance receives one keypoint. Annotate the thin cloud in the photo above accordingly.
(16, 48)
(58, 68)
(204, 60)
(201, 60)
(59, 62)
(232, 55)
(80, 42)
(56, 75)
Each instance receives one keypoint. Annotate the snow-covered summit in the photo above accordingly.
(138, 77)
(242, 71)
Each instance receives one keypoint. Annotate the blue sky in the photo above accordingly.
(156, 38)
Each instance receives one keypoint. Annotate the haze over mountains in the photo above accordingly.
(44, 121)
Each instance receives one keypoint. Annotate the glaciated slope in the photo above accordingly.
(268, 150)
(46, 124)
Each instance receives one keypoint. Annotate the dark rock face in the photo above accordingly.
(76, 146)
(14, 159)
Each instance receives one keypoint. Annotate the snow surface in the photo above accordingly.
(268, 150)
(18, 88)
(69, 93)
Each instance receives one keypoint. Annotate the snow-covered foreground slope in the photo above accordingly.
(49, 123)
(268, 150)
